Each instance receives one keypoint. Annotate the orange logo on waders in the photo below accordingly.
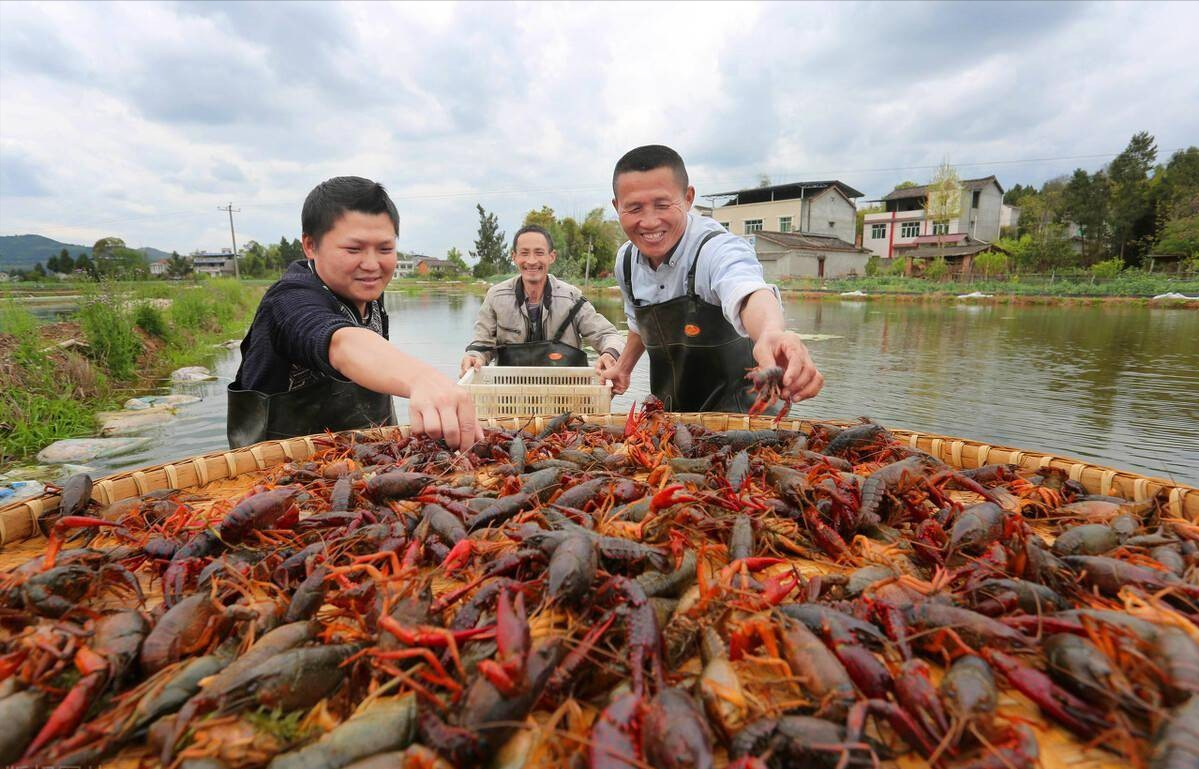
(691, 330)
(555, 356)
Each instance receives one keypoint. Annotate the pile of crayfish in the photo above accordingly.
(652, 595)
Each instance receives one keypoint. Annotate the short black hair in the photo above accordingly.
(330, 199)
(648, 158)
(549, 239)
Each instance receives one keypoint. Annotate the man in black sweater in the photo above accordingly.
(316, 356)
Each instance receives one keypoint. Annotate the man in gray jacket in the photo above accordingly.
(534, 319)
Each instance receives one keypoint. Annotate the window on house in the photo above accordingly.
(940, 228)
(784, 224)
(832, 225)
(753, 225)
(878, 231)
(909, 229)
(725, 225)
(974, 201)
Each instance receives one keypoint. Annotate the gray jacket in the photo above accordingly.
(504, 319)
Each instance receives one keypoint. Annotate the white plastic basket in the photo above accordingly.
(520, 391)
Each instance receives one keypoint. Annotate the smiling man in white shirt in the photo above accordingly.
(695, 296)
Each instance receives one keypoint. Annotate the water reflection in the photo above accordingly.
(1112, 385)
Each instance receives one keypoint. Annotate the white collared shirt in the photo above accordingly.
(727, 273)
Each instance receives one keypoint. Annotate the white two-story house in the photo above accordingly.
(905, 226)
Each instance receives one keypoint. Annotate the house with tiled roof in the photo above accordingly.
(904, 224)
(819, 208)
(808, 255)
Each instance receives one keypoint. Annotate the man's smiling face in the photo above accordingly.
(533, 258)
(653, 207)
(357, 257)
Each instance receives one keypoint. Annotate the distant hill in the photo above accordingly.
(23, 251)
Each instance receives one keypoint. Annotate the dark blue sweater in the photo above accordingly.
(287, 345)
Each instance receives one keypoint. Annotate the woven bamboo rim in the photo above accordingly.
(20, 520)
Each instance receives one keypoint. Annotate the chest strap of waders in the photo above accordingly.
(570, 317)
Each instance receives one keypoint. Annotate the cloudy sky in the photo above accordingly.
(138, 120)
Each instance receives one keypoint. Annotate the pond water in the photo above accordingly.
(1116, 385)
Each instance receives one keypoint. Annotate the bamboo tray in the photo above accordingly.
(227, 474)
(18, 520)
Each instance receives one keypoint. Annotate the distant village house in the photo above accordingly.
(214, 264)
(419, 264)
(905, 230)
(819, 208)
(798, 229)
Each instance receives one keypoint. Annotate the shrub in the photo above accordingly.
(150, 319)
(1108, 269)
(937, 269)
(873, 265)
(991, 263)
(109, 330)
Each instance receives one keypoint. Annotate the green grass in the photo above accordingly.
(35, 409)
(108, 325)
(37, 420)
(152, 320)
(191, 310)
(1130, 283)
(49, 396)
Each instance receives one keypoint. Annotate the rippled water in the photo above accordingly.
(1115, 385)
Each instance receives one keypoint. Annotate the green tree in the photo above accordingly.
(178, 266)
(39, 270)
(1131, 212)
(62, 262)
(1181, 178)
(104, 246)
(603, 237)
(457, 263)
(991, 263)
(84, 262)
(253, 260)
(1086, 199)
(113, 259)
(1016, 193)
(290, 252)
(906, 185)
(943, 202)
(490, 251)
(1180, 236)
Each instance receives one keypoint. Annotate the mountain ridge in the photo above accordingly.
(22, 252)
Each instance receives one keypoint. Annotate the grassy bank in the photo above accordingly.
(1130, 284)
(123, 340)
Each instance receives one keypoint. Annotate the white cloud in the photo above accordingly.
(140, 119)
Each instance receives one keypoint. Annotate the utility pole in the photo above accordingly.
(230, 209)
(587, 268)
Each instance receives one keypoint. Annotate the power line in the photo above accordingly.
(720, 181)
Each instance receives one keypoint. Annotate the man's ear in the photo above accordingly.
(553, 257)
(615, 206)
(689, 197)
(309, 245)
